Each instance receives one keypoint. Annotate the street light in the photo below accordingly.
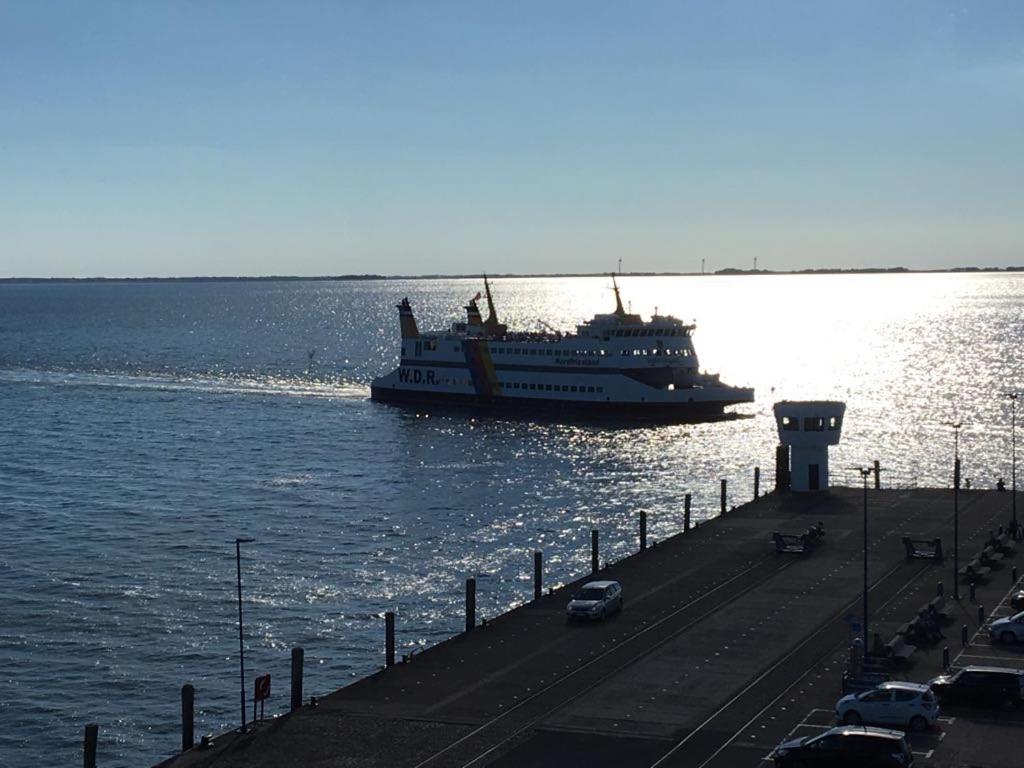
(956, 508)
(241, 646)
(865, 473)
(1013, 454)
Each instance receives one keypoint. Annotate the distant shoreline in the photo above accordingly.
(503, 276)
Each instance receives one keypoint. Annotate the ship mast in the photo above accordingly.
(491, 325)
(619, 311)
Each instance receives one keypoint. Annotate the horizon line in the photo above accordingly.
(728, 271)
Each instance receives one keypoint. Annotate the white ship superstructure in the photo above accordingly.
(615, 365)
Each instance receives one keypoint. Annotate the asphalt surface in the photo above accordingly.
(723, 649)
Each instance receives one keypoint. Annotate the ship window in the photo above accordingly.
(547, 387)
(403, 350)
(533, 351)
(834, 422)
(572, 388)
(565, 387)
(533, 386)
(790, 424)
(814, 424)
(600, 389)
(590, 389)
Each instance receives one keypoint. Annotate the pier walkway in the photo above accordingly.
(723, 649)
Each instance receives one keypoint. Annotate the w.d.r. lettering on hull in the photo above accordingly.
(417, 376)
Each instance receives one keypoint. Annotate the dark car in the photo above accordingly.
(981, 687)
(853, 746)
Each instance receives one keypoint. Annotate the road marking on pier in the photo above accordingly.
(594, 660)
(773, 667)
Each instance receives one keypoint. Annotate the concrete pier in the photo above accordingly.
(723, 649)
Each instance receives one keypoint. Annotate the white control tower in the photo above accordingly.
(808, 428)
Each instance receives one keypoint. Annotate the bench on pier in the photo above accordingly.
(1003, 543)
(899, 649)
(941, 607)
(989, 557)
(974, 572)
(793, 543)
(924, 549)
(911, 628)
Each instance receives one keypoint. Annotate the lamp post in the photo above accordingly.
(956, 509)
(865, 473)
(1013, 458)
(241, 646)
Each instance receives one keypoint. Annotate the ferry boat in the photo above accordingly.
(615, 366)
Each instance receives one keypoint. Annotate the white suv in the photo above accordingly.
(1008, 630)
(908, 705)
(595, 600)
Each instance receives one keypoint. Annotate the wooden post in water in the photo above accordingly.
(470, 603)
(188, 718)
(757, 483)
(593, 551)
(878, 475)
(686, 514)
(723, 497)
(92, 732)
(643, 530)
(538, 574)
(298, 656)
(389, 639)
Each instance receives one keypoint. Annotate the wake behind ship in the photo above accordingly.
(614, 366)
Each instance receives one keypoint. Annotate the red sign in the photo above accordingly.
(262, 688)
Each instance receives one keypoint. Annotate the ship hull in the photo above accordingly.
(548, 408)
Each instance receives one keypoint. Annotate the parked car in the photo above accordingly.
(1007, 630)
(847, 746)
(595, 600)
(908, 705)
(981, 686)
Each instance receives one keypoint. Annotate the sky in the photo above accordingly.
(324, 138)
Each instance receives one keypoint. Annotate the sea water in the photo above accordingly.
(146, 425)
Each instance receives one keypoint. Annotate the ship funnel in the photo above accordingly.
(408, 322)
(473, 318)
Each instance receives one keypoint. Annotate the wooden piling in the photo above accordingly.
(878, 475)
(389, 639)
(188, 718)
(470, 604)
(538, 574)
(686, 513)
(643, 530)
(92, 732)
(298, 656)
(757, 483)
(593, 551)
(723, 496)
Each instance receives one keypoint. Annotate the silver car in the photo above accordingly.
(595, 600)
(905, 705)
(1007, 630)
